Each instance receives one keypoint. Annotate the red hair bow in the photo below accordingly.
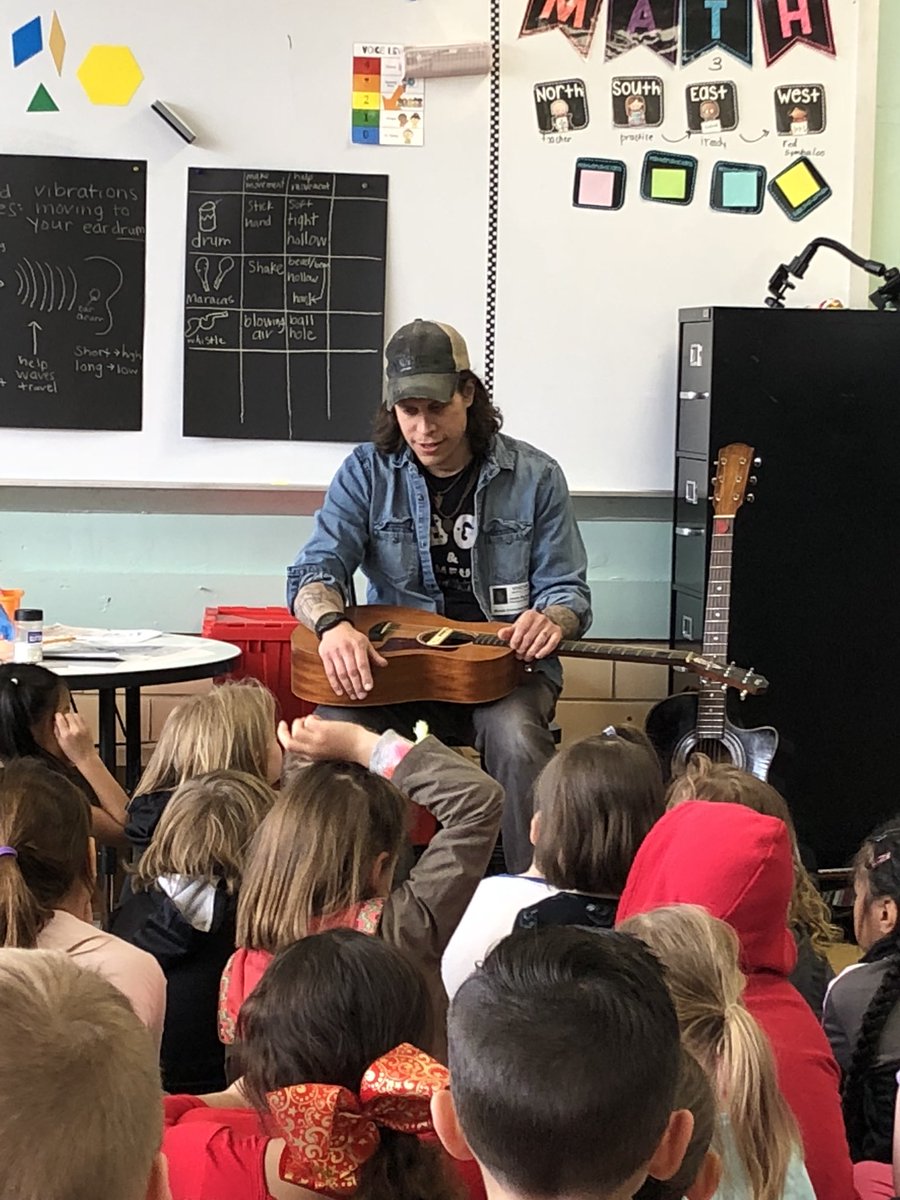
(330, 1133)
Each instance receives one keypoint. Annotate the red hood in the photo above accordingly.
(734, 862)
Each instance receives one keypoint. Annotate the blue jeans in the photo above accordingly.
(512, 736)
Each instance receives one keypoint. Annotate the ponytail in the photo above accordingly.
(405, 1168)
(878, 871)
(45, 820)
(765, 1133)
(700, 955)
(29, 695)
(21, 917)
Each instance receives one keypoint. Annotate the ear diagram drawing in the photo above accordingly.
(51, 287)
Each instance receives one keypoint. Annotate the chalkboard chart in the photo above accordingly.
(284, 304)
(71, 292)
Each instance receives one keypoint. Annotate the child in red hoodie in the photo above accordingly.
(738, 865)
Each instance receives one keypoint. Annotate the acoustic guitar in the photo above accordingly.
(698, 721)
(464, 662)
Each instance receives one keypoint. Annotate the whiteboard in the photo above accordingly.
(586, 301)
(264, 86)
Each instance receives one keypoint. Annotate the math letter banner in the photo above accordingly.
(787, 22)
(576, 18)
(713, 24)
(651, 23)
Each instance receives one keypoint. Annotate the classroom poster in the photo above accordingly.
(716, 25)
(388, 108)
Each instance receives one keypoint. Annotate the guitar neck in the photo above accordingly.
(711, 701)
(603, 650)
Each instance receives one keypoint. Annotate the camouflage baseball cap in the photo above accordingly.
(424, 360)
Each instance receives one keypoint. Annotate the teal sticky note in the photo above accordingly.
(740, 189)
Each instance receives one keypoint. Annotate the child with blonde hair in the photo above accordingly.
(37, 721)
(80, 1111)
(809, 918)
(324, 857)
(47, 877)
(182, 910)
(229, 728)
(758, 1136)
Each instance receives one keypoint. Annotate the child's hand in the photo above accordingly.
(317, 739)
(74, 739)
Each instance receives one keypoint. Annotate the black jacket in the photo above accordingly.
(570, 908)
(143, 816)
(192, 1057)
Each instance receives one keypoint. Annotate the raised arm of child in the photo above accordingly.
(422, 913)
(76, 742)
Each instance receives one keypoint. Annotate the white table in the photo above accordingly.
(170, 658)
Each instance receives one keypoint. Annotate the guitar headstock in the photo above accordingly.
(747, 681)
(733, 467)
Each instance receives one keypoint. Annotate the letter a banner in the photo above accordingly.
(787, 22)
(716, 24)
(650, 23)
(576, 18)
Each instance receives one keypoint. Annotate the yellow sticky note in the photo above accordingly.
(798, 183)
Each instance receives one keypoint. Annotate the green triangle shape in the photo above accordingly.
(42, 101)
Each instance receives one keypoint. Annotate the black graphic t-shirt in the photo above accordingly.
(453, 534)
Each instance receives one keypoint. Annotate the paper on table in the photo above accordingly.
(99, 637)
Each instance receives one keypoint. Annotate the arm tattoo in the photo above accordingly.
(314, 601)
(564, 618)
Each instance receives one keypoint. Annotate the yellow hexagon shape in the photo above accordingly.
(110, 75)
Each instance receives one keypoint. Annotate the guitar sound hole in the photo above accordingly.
(713, 749)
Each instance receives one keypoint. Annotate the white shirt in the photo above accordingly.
(497, 902)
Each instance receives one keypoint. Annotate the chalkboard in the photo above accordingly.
(71, 292)
(284, 304)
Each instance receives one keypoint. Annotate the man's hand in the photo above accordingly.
(74, 739)
(532, 635)
(346, 655)
(316, 739)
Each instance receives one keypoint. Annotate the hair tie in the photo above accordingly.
(9, 850)
(330, 1133)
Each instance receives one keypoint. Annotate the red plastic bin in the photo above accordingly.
(264, 637)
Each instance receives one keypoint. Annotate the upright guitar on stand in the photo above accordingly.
(697, 721)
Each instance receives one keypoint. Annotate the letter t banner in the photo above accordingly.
(576, 18)
(711, 24)
(787, 22)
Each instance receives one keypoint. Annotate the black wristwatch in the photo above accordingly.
(328, 621)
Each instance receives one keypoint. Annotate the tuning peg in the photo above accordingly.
(752, 480)
(751, 499)
(744, 695)
(757, 462)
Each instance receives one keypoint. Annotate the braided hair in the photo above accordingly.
(877, 868)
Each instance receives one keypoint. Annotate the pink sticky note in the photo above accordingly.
(596, 188)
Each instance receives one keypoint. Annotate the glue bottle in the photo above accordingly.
(29, 645)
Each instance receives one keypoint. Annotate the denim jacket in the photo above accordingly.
(377, 516)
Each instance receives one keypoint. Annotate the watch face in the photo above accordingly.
(328, 622)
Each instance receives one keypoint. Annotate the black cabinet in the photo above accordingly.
(816, 574)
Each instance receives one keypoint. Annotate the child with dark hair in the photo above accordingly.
(565, 1058)
(47, 878)
(594, 803)
(862, 1009)
(335, 1098)
(700, 1172)
(37, 722)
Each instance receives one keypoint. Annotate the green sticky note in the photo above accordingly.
(42, 101)
(668, 183)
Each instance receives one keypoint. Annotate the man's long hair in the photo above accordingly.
(483, 424)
